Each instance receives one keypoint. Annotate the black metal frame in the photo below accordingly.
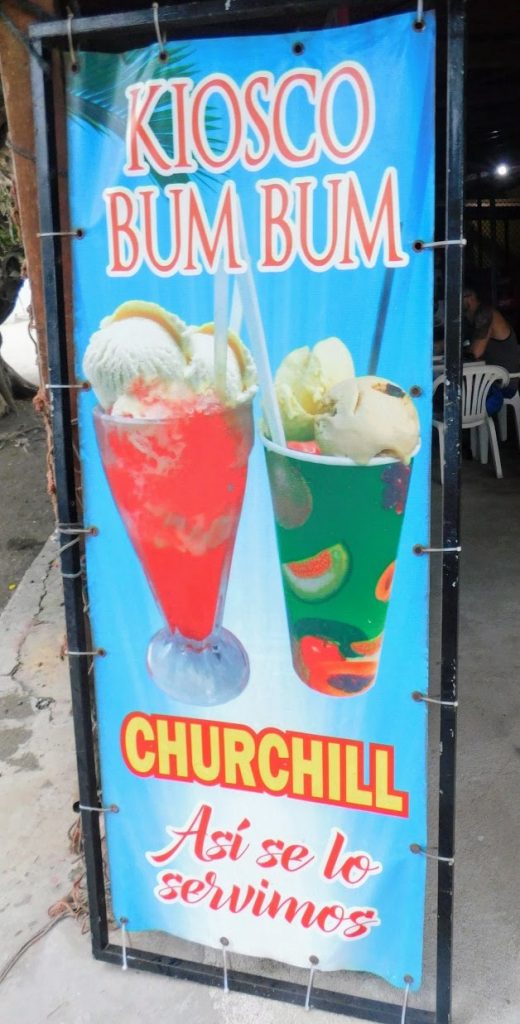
(209, 17)
(451, 500)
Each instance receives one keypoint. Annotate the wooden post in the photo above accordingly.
(14, 69)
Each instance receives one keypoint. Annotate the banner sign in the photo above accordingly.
(255, 325)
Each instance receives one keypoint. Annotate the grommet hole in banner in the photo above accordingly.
(419, 24)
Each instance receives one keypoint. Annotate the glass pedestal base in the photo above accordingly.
(204, 672)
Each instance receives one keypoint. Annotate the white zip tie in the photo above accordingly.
(225, 943)
(74, 528)
(421, 549)
(100, 651)
(124, 922)
(313, 960)
(112, 809)
(74, 66)
(72, 575)
(418, 696)
(161, 39)
(416, 848)
(82, 386)
(419, 245)
(69, 529)
(76, 233)
(408, 979)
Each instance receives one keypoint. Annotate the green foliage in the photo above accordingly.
(99, 97)
(9, 230)
(10, 238)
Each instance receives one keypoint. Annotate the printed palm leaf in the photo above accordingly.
(98, 97)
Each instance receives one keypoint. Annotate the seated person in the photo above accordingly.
(487, 336)
(492, 340)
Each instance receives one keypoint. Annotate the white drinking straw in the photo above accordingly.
(235, 319)
(220, 305)
(255, 326)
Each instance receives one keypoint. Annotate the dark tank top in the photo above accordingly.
(504, 353)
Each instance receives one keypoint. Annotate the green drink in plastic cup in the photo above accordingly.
(338, 526)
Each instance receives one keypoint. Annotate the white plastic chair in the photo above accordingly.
(514, 403)
(476, 382)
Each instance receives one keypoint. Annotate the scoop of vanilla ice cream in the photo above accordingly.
(200, 373)
(369, 416)
(198, 345)
(302, 383)
(334, 360)
(123, 350)
(144, 357)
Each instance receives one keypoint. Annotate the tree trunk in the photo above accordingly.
(14, 66)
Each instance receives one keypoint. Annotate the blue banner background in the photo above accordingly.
(299, 307)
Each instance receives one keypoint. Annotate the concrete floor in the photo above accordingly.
(58, 981)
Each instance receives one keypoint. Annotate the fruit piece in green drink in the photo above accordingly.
(317, 577)
(292, 499)
(321, 665)
(350, 640)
